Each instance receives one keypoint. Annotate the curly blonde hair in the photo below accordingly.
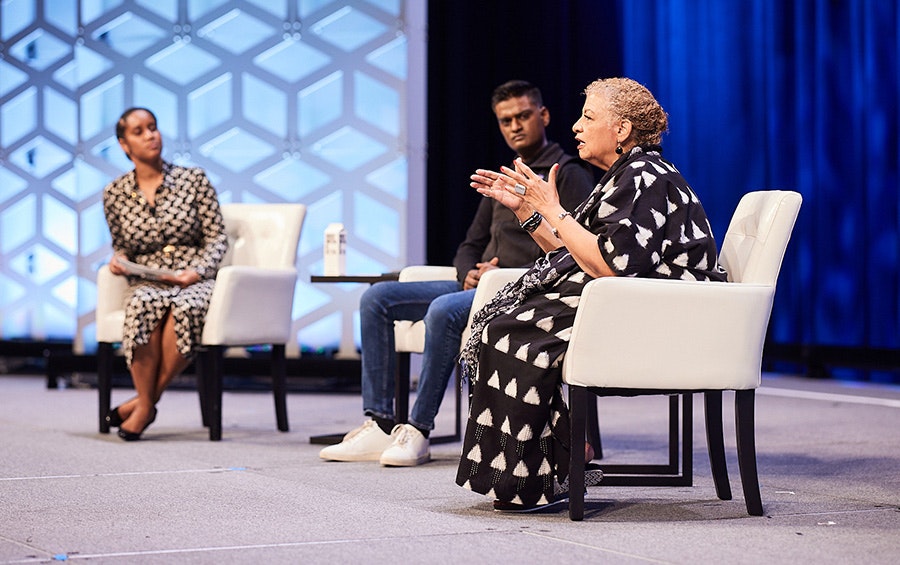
(629, 100)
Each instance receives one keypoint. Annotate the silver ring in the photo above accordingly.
(520, 189)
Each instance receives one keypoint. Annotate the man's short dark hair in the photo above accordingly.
(515, 89)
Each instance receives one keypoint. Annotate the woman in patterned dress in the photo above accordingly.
(166, 217)
(641, 220)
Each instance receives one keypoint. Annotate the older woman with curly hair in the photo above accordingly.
(641, 220)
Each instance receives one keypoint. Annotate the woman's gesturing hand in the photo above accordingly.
(529, 187)
(492, 184)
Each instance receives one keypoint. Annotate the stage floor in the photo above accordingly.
(828, 452)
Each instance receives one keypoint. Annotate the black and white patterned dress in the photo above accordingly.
(183, 231)
(649, 223)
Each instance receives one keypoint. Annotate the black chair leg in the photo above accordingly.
(279, 387)
(401, 388)
(746, 448)
(212, 389)
(457, 427)
(715, 443)
(104, 382)
(201, 362)
(593, 428)
(578, 400)
(458, 418)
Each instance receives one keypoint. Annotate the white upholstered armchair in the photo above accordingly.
(409, 338)
(653, 348)
(251, 305)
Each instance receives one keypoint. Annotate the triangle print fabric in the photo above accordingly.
(503, 454)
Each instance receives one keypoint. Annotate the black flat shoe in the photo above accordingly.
(593, 476)
(129, 436)
(135, 436)
(513, 508)
(113, 418)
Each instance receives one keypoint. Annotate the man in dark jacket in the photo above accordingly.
(494, 239)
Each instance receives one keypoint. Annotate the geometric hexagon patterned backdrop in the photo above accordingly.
(312, 101)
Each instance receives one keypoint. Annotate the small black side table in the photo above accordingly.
(330, 439)
(369, 279)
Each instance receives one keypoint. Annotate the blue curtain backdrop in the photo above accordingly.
(799, 95)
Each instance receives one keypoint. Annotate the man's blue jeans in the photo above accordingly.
(445, 309)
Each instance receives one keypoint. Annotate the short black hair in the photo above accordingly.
(120, 125)
(515, 89)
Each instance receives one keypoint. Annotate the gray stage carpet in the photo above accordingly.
(829, 464)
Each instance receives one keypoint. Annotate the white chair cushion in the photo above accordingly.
(262, 235)
(418, 273)
(249, 306)
(701, 334)
(409, 336)
(758, 234)
(110, 312)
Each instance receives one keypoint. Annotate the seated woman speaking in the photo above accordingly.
(641, 220)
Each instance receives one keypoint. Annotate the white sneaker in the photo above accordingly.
(365, 443)
(409, 447)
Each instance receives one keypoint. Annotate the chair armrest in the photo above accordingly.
(109, 315)
(418, 273)
(490, 283)
(249, 306)
(409, 335)
(668, 334)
